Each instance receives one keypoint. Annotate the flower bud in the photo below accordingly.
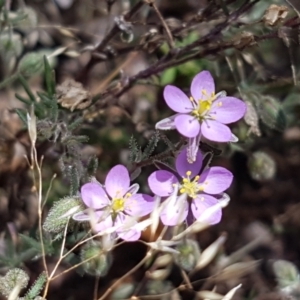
(189, 253)
(61, 212)
(261, 166)
(286, 274)
(271, 113)
(98, 261)
(30, 64)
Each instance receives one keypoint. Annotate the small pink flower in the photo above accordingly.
(190, 194)
(203, 114)
(118, 204)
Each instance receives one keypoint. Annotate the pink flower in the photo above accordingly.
(118, 204)
(203, 114)
(190, 194)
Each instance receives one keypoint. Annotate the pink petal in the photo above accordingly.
(94, 196)
(215, 180)
(187, 125)
(193, 148)
(177, 100)
(81, 216)
(117, 181)
(202, 81)
(104, 224)
(201, 204)
(228, 110)
(133, 189)
(175, 211)
(161, 183)
(182, 165)
(167, 123)
(139, 205)
(127, 231)
(215, 131)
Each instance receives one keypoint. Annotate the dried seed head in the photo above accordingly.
(274, 14)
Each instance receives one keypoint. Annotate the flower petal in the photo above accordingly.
(139, 205)
(105, 223)
(215, 180)
(167, 123)
(133, 189)
(126, 228)
(193, 148)
(201, 204)
(175, 210)
(182, 165)
(81, 216)
(117, 181)
(177, 100)
(161, 183)
(202, 81)
(215, 131)
(228, 109)
(94, 196)
(187, 125)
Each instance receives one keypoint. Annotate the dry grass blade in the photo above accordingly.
(231, 293)
(209, 295)
(210, 252)
(237, 270)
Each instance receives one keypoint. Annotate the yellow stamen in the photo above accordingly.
(190, 187)
(118, 205)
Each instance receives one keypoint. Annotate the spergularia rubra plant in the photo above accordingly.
(116, 204)
(189, 193)
(203, 114)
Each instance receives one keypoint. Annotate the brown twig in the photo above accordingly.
(111, 34)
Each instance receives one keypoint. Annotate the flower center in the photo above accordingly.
(118, 204)
(190, 187)
(204, 106)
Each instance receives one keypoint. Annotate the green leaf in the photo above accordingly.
(135, 150)
(151, 145)
(168, 76)
(49, 77)
(22, 115)
(27, 88)
(22, 99)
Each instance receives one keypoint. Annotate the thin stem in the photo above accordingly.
(38, 168)
(48, 191)
(96, 287)
(117, 282)
(165, 25)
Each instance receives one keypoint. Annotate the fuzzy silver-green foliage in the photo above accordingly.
(151, 145)
(61, 213)
(135, 150)
(189, 253)
(98, 262)
(33, 292)
(13, 278)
